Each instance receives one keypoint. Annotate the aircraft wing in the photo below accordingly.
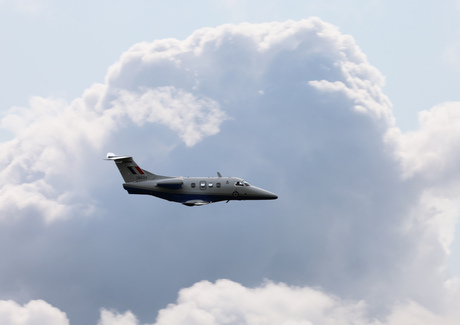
(171, 183)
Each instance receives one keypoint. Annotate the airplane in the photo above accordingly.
(190, 191)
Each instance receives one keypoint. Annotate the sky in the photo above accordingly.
(347, 110)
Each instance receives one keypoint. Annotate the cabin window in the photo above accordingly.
(193, 185)
(210, 184)
(203, 185)
(218, 185)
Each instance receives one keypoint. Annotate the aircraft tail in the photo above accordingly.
(129, 170)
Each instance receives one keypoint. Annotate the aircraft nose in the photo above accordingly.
(268, 195)
(272, 196)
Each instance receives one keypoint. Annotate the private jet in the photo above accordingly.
(190, 191)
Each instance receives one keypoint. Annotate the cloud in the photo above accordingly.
(432, 151)
(113, 318)
(185, 86)
(52, 137)
(430, 156)
(364, 214)
(34, 312)
(227, 302)
(192, 118)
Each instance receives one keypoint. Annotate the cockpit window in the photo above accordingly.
(242, 183)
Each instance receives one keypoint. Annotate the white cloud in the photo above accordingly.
(438, 212)
(228, 302)
(113, 318)
(429, 157)
(192, 118)
(432, 152)
(32, 313)
(365, 211)
(52, 137)
(50, 140)
(191, 81)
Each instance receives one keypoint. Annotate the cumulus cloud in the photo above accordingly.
(192, 118)
(365, 211)
(113, 318)
(179, 84)
(430, 156)
(34, 312)
(432, 152)
(52, 137)
(227, 302)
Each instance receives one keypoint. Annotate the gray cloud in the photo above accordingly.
(293, 107)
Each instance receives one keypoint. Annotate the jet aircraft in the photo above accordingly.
(190, 191)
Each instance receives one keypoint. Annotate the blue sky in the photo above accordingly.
(322, 111)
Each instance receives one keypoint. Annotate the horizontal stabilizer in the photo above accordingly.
(112, 156)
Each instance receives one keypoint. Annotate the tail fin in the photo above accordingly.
(129, 170)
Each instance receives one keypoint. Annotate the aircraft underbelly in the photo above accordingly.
(177, 195)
